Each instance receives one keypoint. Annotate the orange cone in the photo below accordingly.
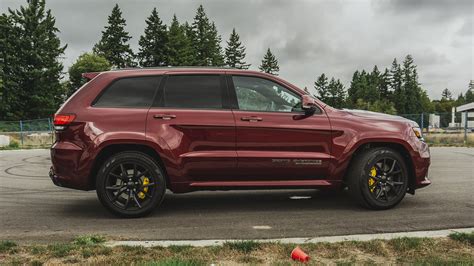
(298, 254)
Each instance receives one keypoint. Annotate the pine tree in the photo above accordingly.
(206, 40)
(114, 42)
(34, 72)
(180, 51)
(269, 64)
(235, 52)
(337, 93)
(469, 96)
(9, 67)
(86, 62)
(446, 95)
(411, 88)
(321, 87)
(153, 43)
(398, 96)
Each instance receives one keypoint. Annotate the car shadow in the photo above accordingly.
(214, 202)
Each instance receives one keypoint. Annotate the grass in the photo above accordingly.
(456, 249)
(447, 139)
(463, 237)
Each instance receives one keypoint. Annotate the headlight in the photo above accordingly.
(418, 132)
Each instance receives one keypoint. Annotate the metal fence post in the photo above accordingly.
(50, 130)
(422, 125)
(465, 127)
(21, 132)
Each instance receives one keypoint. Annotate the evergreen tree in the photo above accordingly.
(469, 96)
(269, 63)
(180, 51)
(33, 70)
(398, 97)
(446, 94)
(153, 43)
(384, 85)
(206, 41)
(86, 62)
(235, 52)
(337, 93)
(411, 88)
(321, 87)
(114, 42)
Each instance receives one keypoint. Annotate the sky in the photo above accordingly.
(308, 38)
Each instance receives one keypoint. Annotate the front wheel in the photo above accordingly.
(378, 178)
(130, 184)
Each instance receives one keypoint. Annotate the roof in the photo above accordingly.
(465, 107)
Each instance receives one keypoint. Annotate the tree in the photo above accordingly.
(395, 79)
(411, 88)
(321, 87)
(235, 52)
(87, 62)
(9, 67)
(469, 96)
(153, 43)
(31, 87)
(114, 42)
(180, 50)
(269, 64)
(206, 41)
(446, 94)
(336, 93)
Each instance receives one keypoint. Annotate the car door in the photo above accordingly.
(191, 117)
(276, 140)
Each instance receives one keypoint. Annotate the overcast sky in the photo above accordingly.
(308, 37)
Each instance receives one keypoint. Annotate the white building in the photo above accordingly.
(469, 108)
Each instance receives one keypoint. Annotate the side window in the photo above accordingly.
(257, 94)
(193, 92)
(129, 92)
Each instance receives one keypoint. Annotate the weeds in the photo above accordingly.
(242, 246)
(7, 245)
(463, 237)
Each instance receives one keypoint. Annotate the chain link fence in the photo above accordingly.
(438, 129)
(26, 133)
(446, 128)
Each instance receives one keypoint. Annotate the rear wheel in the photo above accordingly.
(130, 184)
(378, 178)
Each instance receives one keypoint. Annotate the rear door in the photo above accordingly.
(191, 116)
(275, 139)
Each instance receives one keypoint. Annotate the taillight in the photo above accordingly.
(62, 120)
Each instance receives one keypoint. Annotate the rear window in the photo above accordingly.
(129, 92)
(193, 92)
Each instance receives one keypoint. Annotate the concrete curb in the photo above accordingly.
(330, 239)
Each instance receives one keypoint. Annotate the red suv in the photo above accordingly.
(132, 134)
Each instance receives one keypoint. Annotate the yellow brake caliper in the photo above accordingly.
(142, 194)
(373, 173)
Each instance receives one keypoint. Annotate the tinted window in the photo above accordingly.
(202, 92)
(257, 94)
(129, 92)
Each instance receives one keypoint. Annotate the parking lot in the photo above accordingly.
(33, 209)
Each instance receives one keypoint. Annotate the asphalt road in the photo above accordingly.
(33, 209)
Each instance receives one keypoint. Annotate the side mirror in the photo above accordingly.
(308, 104)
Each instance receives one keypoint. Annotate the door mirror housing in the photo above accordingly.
(308, 104)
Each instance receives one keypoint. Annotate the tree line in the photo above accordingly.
(393, 91)
(32, 83)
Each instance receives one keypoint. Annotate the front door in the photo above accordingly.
(190, 119)
(275, 139)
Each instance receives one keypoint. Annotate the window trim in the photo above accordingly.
(235, 102)
(159, 102)
(102, 92)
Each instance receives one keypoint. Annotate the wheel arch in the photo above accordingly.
(398, 147)
(114, 148)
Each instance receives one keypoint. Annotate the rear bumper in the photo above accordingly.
(67, 168)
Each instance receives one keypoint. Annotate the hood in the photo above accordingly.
(379, 116)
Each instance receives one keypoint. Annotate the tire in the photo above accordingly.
(130, 184)
(381, 189)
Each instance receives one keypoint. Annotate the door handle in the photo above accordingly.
(164, 116)
(251, 118)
